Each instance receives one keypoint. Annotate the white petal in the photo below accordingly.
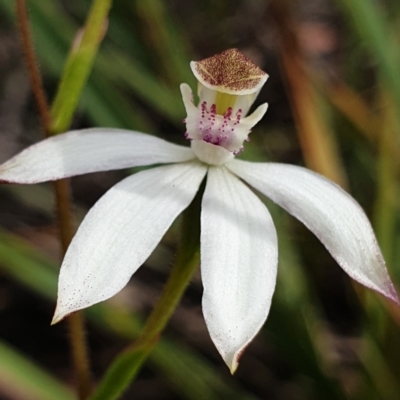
(89, 150)
(121, 231)
(238, 263)
(210, 153)
(329, 212)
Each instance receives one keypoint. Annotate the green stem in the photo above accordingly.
(126, 366)
(80, 356)
(78, 66)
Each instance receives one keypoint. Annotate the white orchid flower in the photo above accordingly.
(239, 252)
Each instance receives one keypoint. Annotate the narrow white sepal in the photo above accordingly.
(329, 212)
(238, 263)
(89, 150)
(120, 232)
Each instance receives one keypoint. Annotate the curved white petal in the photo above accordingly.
(238, 263)
(89, 150)
(329, 212)
(121, 231)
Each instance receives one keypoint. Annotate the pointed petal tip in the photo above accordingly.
(263, 108)
(232, 361)
(54, 321)
(233, 367)
(57, 317)
(387, 290)
(392, 294)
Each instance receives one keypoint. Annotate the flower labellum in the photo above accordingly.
(239, 252)
(228, 85)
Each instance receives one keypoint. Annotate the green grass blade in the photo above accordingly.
(24, 379)
(78, 66)
(368, 19)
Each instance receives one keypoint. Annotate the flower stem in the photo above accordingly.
(56, 122)
(32, 65)
(76, 323)
(127, 364)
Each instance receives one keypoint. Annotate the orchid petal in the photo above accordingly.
(238, 263)
(89, 150)
(121, 231)
(329, 212)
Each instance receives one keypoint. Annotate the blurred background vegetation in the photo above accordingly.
(334, 95)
